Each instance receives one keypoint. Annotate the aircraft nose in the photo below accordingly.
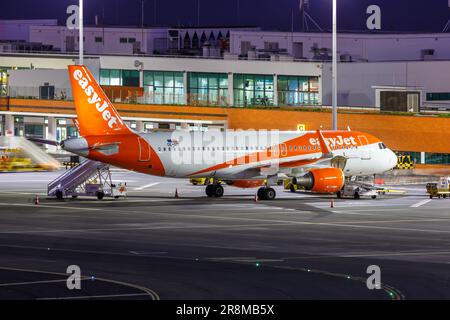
(392, 159)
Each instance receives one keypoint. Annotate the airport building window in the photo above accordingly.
(117, 77)
(251, 89)
(98, 39)
(437, 158)
(438, 96)
(3, 82)
(298, 91)
(163, 87)
(208, 88)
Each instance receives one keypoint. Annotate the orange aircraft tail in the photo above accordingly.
(96, 114)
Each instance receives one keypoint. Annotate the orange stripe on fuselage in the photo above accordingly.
(309, 143)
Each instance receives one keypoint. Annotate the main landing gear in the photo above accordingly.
(266, 193)
(214, 190)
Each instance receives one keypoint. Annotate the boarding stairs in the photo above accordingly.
(74, 180)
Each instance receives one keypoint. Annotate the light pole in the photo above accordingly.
(80, 35)
(334, 69)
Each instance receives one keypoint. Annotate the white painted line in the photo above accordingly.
(99, 296)
(421, 203)
(47, 206)
(147, 186)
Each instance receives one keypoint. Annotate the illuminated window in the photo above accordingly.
(298, 91)
(208, 88)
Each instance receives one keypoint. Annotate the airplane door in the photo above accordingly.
(144, 150)
(365, 153)
(283, 149)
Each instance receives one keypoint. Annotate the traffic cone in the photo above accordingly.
(36, 200)
(332, 203)
(176, 193)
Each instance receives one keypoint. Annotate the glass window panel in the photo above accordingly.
(249, 83)
(158, 95)
(304, 84)
(223, 81)
(193, 81)
(159, 79)
(148, 78)
(179, 80)
(293, 84)
(268, 83)
(213, 82)
(259, 83)
(238, 82)
(282, 83)
(115, 78)
(104, 77)
(314, 84)
(213, 96)
(169, 80)
(203, 81)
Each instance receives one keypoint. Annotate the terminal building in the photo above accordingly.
(392, 85)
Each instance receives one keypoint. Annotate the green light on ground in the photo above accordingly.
(257, 264)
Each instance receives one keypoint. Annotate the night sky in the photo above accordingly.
(397, 15)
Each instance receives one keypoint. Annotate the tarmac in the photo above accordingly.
(152, 245)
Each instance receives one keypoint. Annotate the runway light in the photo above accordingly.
(92, 278)
(348, 277)
(257, 264)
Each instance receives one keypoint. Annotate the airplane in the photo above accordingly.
(318, 160)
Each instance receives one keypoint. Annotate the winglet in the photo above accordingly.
(323, 144)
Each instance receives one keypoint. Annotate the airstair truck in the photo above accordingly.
(439, 189)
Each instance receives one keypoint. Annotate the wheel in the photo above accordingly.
(292, 188)
(431, 196)
(374, 197)
(209, 190)
(339, 194)
(357, 196)
(270, 193)
(218, 191)
(59, 194)
(194, 183)
(74, 197)
(261, 193)
(100, 195)
(444, 196)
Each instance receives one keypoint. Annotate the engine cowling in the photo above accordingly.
(323, 180)
(245, 184)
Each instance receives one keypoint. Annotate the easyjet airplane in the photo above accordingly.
(318, 160)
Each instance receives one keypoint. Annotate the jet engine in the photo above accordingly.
(322, 180)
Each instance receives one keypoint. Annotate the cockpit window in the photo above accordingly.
(382, 145)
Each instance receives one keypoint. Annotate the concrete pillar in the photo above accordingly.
(275, 90)
(51, 132)
(185, 85)
(139, 126)
(422, 157)
(9, 125)
(230, 89)
(141, 78)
